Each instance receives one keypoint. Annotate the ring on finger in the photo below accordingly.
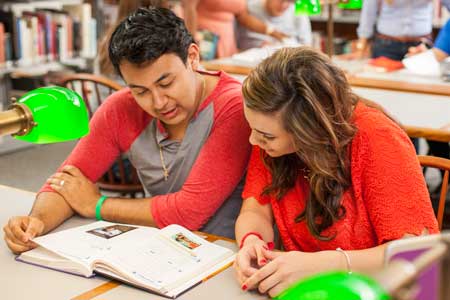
(62, 183)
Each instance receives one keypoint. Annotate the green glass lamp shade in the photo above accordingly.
(59, 115)
(350, 4)
(335, 286)
(307, 7)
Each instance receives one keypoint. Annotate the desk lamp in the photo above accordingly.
(46, 115)
(313, 7)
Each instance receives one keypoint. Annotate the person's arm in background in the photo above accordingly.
(365, 30)
(254, 24)
(190, 16)
(304, 32)
(441, 47)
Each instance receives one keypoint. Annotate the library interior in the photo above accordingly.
(273, 124)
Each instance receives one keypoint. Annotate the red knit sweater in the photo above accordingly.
(388, 197)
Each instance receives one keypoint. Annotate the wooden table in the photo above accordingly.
(19, 281)
(421, 104)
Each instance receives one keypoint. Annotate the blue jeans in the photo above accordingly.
(391, 49)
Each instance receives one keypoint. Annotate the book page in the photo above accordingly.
(162, 262)
(86, 243)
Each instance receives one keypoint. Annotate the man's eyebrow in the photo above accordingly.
(136, 86)
(161, 78)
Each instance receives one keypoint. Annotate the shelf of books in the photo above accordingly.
(38, 37)
(39, 32)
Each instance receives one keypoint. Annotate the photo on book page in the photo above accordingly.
(111, 231)
(185, 241)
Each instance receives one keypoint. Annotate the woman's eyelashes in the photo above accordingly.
(268, 138)
(166, 85)
(141, 93)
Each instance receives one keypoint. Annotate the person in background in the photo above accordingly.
(441, 47)
(218, 17)
(441, 50)
(339, 178)
(281, 15)
(393, 26)
(184, 131)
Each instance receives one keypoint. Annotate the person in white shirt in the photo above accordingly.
(278, 15)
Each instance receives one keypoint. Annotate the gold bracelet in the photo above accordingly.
(347, 259)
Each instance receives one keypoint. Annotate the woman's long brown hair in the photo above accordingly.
(316, 105)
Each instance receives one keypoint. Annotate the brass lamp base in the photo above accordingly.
(18, 120)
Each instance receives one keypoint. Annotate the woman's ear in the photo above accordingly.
(193, 57)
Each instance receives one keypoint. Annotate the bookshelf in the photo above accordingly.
(42, 37)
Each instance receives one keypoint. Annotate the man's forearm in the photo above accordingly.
(128, 211)
(51, 209)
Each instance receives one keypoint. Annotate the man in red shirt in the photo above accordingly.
(183, 130)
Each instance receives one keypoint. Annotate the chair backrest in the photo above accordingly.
(443, 165)
(122, 176)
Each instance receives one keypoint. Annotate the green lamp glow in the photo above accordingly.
(46, 115)
(312, 7)
(307, 7)
(350, 4)
(335, 286)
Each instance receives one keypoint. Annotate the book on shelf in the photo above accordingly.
(2, 45)
(165, 261)
(49, 31)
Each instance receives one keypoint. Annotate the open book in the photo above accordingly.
(166, 261)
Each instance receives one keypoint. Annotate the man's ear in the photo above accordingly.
(193, 57)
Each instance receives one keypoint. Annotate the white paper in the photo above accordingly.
(424, 63)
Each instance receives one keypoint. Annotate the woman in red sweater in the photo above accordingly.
(340, 179)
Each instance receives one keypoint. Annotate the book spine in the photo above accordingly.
(2, 45)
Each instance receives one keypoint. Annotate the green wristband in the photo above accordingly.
(98, 207)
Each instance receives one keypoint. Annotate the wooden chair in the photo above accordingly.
(444, 165)
(121, 177)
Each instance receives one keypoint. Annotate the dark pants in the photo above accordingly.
(391, 49)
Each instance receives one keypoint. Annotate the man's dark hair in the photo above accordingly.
(147, 34)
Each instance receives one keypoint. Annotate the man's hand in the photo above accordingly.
(79, 192)
(20, 230)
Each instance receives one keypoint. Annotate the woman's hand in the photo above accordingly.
(79, 192)
(284, 270)
(250, 258)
